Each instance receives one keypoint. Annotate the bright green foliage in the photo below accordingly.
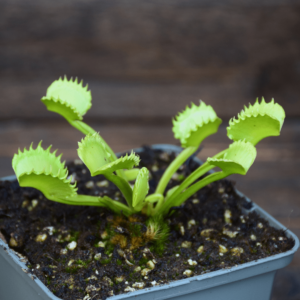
(191, 126)
(93, 152)
(257, 122)
(43, 170)
(71, 100)
(68, 98)
(195, 123)
(131, 174)
(140, 190)
(237, 159)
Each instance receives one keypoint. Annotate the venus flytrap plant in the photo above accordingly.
(252, 125)
(43, 170)
(191, 127)
(72, 100)
(94, 154)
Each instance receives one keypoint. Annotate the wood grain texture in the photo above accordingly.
(139, 56)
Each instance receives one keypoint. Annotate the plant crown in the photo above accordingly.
(43, 170)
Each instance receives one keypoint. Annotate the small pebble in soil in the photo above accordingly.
(260, 225)
(129, 289)
(34, 203)
(50, 229)
(119, 279)
(200, 249)
(221, 190)
(229, 233)
(192, 262)
(258, 244)
(101, 244)
(154, 283)
(175, 176)
(253, 237)
(177, 254)
(237, 251)
(108, 280)
(63, 251)
(242, 219)
(90, 185)
(186, 244)
(72, 245)
(154, 168)
(92, 288)
(78, 162)
(25, 203)
(104, 235)
(128, 262)
(182, 231)
(41, 237)
(97, 256)
(227, 216)
(195, 201)
(222, 249)
(103, 183)
(13, 242)
(188, 273)
(137, 269)
(207, 232)
(191, 223)
(164, 156)
(138, 285)
(151, 264)
(121, 252)
(145, 271)
(70, 262)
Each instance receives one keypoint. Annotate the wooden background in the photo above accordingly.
(145, 61)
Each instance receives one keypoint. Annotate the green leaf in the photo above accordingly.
(68, 98)
(124, 162)
(257, 122)
(131, 174)
(237, 159)
(97, 158)
(93, 152)
(153, 198)
(43, 170)
(194, 124)
(140, 189)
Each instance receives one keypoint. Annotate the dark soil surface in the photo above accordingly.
(112, 255)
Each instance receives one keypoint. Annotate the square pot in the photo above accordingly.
(248, 281)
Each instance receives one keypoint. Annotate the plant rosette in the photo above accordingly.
(154, 223)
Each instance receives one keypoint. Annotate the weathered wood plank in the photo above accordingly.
(160, 53)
